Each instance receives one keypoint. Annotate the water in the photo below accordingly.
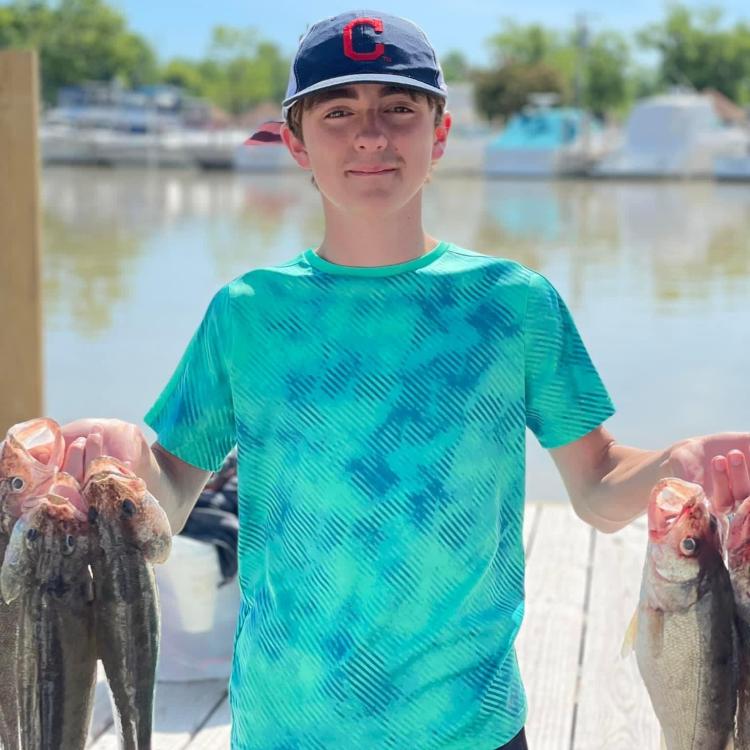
(657, 276)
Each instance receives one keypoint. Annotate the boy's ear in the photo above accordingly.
(441, 136)
(295, 145)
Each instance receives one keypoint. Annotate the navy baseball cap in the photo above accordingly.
(361, 46)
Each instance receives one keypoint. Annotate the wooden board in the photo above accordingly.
(614, 710)
(181, 709)
(20, 253)
(215, 733)
(549, 643)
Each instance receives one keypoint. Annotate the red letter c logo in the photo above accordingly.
(349, 50)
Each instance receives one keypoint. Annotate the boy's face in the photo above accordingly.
(369, 147)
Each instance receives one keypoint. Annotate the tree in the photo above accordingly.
(590, 73)
(605, 73)
(455, 66)
(500, 92)
(78, 40)
(696, 51)
(242, 70)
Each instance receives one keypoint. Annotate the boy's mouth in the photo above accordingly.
(371, 171)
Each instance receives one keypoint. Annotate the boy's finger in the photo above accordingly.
(93, 449)
(73, 463)
(721, 497)
(738, 475)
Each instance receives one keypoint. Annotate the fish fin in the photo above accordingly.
(15, 562)
(628, 642)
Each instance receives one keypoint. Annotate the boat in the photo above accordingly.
(674, 135)
(544, 140)
(104, 124)
(733, 168)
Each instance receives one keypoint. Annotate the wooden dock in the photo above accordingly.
(581, 590)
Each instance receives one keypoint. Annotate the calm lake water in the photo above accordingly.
(657, 276)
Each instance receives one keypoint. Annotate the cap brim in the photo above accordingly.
(268, 134)
(331, 83)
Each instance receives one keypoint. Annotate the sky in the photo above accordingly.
(183, 29)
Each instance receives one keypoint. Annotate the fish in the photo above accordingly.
(45, 569)
(683, 632)
(128, 531)
(738, 563)
(30, 456)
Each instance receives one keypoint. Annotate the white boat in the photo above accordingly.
(674, 135)
(547, 141)
(733, 168)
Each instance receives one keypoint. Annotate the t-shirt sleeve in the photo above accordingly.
(565, 397)
(193, 416)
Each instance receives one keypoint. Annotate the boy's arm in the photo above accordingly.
(175, 484)
(609, 484)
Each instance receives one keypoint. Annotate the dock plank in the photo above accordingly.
(180, 709)
(215, 733)
(101, 716)
(614, 710)
(550, 638)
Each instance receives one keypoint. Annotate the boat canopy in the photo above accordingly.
(547, 128)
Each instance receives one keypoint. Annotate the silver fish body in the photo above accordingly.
(128, 531)
(46, 570)
(738, 557)
(685, 640)
(9, 618)
(30, 456)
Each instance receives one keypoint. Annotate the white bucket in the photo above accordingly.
(197, 617)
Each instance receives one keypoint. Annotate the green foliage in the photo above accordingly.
(590, 72)
(87, 40)
(696, 51)
(241, 70)
(77, 40)
(505, 90)
(455, 66)
(605, 84)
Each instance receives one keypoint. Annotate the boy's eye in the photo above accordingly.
(335, 113)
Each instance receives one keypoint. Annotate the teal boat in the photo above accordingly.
(546, 141)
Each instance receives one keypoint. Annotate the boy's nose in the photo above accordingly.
(371, 135)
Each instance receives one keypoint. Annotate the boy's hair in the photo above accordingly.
(294, 114)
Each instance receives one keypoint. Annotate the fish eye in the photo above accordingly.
(17, 484)
(689, 545)
(69, 544)
(128, 508)
(32, 534)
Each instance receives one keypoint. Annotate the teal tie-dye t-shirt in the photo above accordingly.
(380, 415)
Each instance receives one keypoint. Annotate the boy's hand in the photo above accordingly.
(720, 463)
(87, 439)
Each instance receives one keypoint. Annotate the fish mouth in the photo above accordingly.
(674, 501)
(65, 490)
(39, 441)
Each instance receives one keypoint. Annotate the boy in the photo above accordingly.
(378, 388)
